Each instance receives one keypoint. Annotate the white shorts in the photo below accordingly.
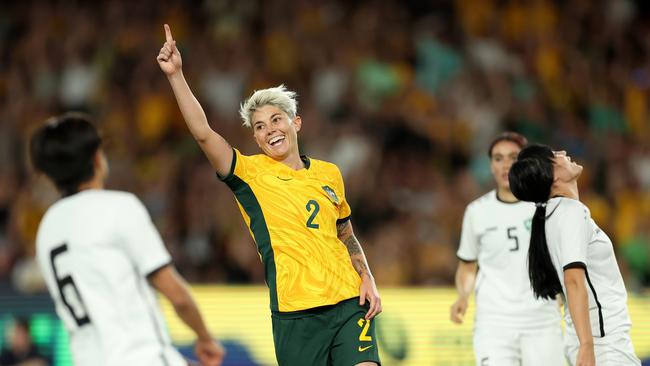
(506, 347)
(612, 350)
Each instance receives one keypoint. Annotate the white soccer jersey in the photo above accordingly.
(497, 235)
(95, 249)
(574, 240)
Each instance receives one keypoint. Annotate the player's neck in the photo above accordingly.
(566, 190)
(293, 161)
(96, 182)
(505, 195)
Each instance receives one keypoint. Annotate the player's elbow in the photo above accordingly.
(201, 137)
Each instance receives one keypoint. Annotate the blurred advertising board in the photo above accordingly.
(413, 330)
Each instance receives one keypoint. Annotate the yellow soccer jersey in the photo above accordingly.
(292, 216)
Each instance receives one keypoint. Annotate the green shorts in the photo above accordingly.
(335, 335)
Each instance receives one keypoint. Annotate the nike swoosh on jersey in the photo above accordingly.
(284, 179)
(361, 349)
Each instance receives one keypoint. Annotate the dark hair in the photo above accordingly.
(531, 178)
(64, 149)
(21, 322)
(514, 137)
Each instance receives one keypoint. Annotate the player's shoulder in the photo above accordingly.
(256, 163)
(322, 166)
(91, 203)
(108, 201)
(255, 158)
(240, 155)
(563, 206)
(96, 197)
(487, 200)
(116, 198)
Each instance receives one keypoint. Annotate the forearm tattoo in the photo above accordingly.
(360, 266)
(354, 248)
(353, 245)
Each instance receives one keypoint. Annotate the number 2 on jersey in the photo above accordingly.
(312, 205)
(78, 312)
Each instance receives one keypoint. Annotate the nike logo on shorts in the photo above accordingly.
(361, 349)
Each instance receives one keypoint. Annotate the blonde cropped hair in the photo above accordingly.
(278, 97)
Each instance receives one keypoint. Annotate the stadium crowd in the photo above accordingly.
(403, 95)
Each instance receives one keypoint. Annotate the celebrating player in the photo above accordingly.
(511, 326)
(570, 255)
(297, 213)
(99, 251)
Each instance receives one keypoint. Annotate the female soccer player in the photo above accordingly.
(100, 253)
(295, 207)
(511, 326)
(570, 255)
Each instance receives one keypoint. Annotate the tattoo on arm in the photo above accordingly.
(342, 229)
(346, 235)
(360, 266)
(352, 244)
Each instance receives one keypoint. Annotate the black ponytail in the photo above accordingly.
(541, 272)
(531, 178)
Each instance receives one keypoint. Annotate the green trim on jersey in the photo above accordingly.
(248, 201)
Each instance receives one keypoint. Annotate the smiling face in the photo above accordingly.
(275, 133)
(565, 170)
(503, 155)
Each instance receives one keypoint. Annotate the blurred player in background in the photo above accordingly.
(20, 350)
(570, 255)
(511, 326)
(100, 253)
(297, 213)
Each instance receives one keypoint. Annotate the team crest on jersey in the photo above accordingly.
(528, 224)
(332, 195)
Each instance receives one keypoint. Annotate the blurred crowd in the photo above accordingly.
(404, 96)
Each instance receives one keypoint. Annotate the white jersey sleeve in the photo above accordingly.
(468, 248)
(141, 240)
(574, 234)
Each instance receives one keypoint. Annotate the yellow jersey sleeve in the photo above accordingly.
(344, 208)
(240, 166)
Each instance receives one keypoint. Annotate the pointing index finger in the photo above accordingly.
(168, 34)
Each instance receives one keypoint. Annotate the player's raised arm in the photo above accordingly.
(215, 147)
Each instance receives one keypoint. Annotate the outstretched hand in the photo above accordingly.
(169, 58)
